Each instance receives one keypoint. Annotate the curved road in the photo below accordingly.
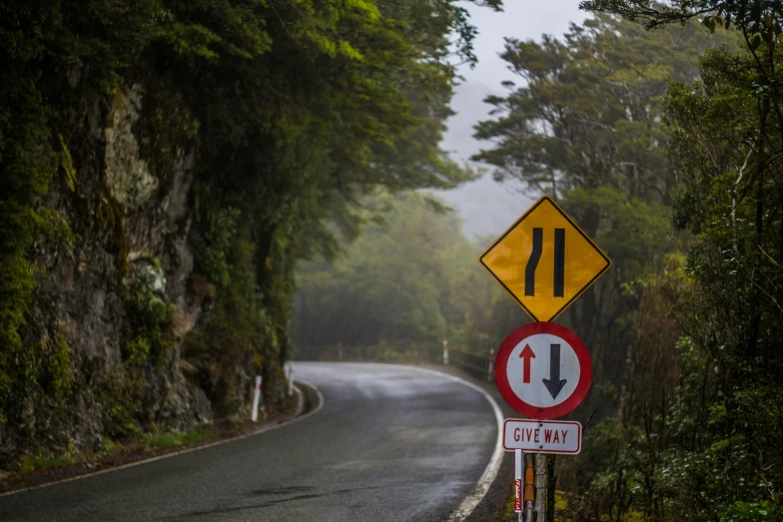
(390, 443)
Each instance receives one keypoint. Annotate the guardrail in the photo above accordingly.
(476, 365)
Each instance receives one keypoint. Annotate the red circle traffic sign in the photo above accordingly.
(543, 370)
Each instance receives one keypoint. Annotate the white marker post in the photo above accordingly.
(518, 484)
(446, 353)
(290, 379)
(491, 368)
(256, 399)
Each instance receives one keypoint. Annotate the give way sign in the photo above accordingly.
(536, 436)
(543, 370)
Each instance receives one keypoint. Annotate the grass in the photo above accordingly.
(560, 504)
(150, 442)
(508, 510)
(110, 446)
(170, 439)
(42, 461)
(46, 461)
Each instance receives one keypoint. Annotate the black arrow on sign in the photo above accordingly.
(554, 384)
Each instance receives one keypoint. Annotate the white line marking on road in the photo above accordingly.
(184, 451)
(493, 468)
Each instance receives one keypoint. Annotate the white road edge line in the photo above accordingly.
(188, 450)
(493, 468)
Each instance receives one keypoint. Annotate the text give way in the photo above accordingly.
(542, 436)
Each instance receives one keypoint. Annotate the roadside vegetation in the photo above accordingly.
(42, 467)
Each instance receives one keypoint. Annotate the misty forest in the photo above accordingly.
(193, 193)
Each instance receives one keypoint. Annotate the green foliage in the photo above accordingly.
(162, 440)
(684, 404)
(695, 434)
(765, 511)
(148, 321)
(154, 441)
(585, 125)
(233, 331)
(121, 406)
(137, 350)
(761, 20)
(219, 239)
(311, 108)
(44, 462)
(729, 200)
(26, 167)
(57, 378)
(109, 446)
(33, 104)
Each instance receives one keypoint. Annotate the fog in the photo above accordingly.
(487, 207)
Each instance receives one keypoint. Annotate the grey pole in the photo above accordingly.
(541, 486)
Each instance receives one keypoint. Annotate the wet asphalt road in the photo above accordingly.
(390, 443)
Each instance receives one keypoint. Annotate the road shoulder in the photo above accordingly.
(309, 401)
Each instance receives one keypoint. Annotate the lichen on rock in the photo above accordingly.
(128, 176)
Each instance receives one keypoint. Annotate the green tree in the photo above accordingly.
(707, 453)
(589, 126)
(586, 127)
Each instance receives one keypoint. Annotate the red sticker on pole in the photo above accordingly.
(543, 370)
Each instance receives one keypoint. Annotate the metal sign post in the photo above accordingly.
(542, 483)
(518, 483)
(529, 512)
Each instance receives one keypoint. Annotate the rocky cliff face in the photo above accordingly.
(120, 300)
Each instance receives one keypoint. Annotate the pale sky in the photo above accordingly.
(487, 207)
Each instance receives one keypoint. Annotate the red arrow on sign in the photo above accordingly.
(527, 354)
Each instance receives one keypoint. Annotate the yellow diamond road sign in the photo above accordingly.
(545, 261)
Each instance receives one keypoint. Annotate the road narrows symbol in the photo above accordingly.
(544, 260)
(526, 355)
(560, 242)
(535, 256)
(554, 384)
(532, 263)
